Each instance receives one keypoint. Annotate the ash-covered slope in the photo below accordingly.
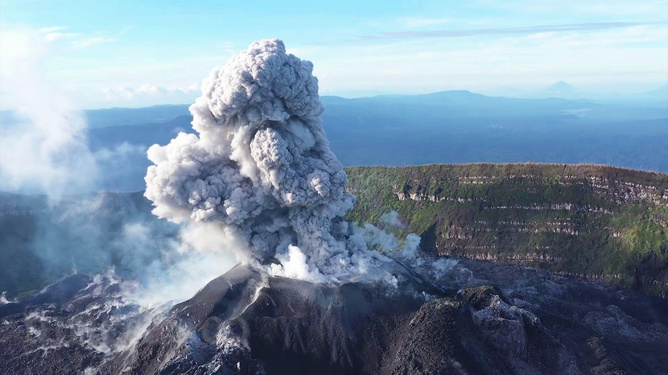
(478, 317)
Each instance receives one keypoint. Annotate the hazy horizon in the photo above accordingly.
(124, 54)
(650, 96)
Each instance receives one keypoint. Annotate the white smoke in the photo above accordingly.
(293, 264)
(392, 219)
(261, 169)
(44, 149)
(386, 242)
(3, 299)
(181, 278)
(120, 154)
(181, 266)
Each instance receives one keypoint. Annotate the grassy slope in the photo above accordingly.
(612, 230)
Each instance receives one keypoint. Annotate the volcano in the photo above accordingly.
(313, 292)
(475, 317)
(561, 88)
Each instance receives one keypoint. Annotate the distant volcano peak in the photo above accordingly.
(561, 87)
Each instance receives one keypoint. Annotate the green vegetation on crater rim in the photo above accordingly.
(602, 222)
(609, 224)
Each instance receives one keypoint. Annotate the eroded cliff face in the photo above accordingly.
(618, 191)
(598, 222)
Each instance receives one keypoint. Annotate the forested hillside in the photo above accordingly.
(598, 222)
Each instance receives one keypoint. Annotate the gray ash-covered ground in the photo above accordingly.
(466, 317)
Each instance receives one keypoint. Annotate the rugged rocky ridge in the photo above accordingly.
(471, 317)
(599, 222)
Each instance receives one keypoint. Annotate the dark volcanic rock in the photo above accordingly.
(56, 293)
(502, 320)
(60, 291)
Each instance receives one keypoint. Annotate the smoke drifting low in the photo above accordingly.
(43, 148)
(261, 169)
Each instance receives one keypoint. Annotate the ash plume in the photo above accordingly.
(261, 169)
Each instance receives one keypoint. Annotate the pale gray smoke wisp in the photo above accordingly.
(261, 168)
(43, 149)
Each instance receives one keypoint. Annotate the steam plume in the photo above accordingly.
(44, 148)
(261, 168)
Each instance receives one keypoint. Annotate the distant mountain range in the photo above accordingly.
(100, 118)
(660, 92)
(443, 127)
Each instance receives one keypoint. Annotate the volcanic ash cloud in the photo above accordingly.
(261, 168)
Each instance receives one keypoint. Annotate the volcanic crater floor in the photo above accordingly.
(477, 317)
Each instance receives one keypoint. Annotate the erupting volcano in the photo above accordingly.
(313, 294)
(261, 169)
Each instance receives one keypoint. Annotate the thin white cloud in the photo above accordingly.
(53, 36)
(74, 39)
(458, 33)
(419, 22)
(52, 29)
(653, 9)
(633, 56)
(152, 94)
(86, 42)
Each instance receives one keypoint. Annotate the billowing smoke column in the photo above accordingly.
(261, 168)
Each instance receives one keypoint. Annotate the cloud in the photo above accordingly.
(508, 30)
(652, 9)
(627, 57)
(51, 29)
(86, 42)
(74, 40)
(151, 92)
(53, 36)
(418, 22)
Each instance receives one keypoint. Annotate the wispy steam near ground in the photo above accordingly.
(261, 170)
(45, 150)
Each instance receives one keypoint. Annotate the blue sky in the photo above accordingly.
(135, 53)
